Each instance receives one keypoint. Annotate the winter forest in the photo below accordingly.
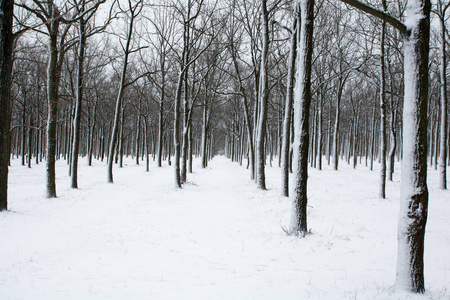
(237, 149)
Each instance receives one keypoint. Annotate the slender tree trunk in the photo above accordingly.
(161, 118)
(204, 134)
(176, 131)
(30, 140)
(147, 154)
(443, 107)
(372, 142)
(336, 135)
(113, 141)
(319, 131)
(393, 144)
(286, 142)
(247, 120)
(138, 133)
(263, 99)
(355, 140)
(382, 190)
(24, 116)
(78, 105)
(91, 137)
(191, 142)
(121, 137)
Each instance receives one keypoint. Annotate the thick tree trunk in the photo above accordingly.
(414, 192)
(6, 63)
(286, 141)
(302, 102)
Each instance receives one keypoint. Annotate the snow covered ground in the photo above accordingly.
(217, 238)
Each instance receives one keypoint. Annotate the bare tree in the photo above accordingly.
(133, 10)
(82, 37)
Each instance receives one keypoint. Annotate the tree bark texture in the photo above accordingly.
(414, 191)
(263, 99)
(302, 103)
(6, 64)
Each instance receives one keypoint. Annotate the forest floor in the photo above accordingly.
(217, 238)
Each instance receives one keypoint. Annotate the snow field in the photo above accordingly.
(217, 238)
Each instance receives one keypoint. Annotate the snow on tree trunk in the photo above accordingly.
(286, 141)
(78, 105)
(302, 101)
(414, 192)
(263, 99)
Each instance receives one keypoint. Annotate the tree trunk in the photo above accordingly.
(302, 102)
(161, 116)
(53, 75)
(372, 141)
(286, 142)
(336, 135)
(263, 99)
(78, 105)
(138, 133)
(382, 190)
(443, 107)
(414, 192)
(393, 144)
(176, 131)
(6, 64)
(204, 134)
(113, 141)
(30, 140)
(319, 133)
